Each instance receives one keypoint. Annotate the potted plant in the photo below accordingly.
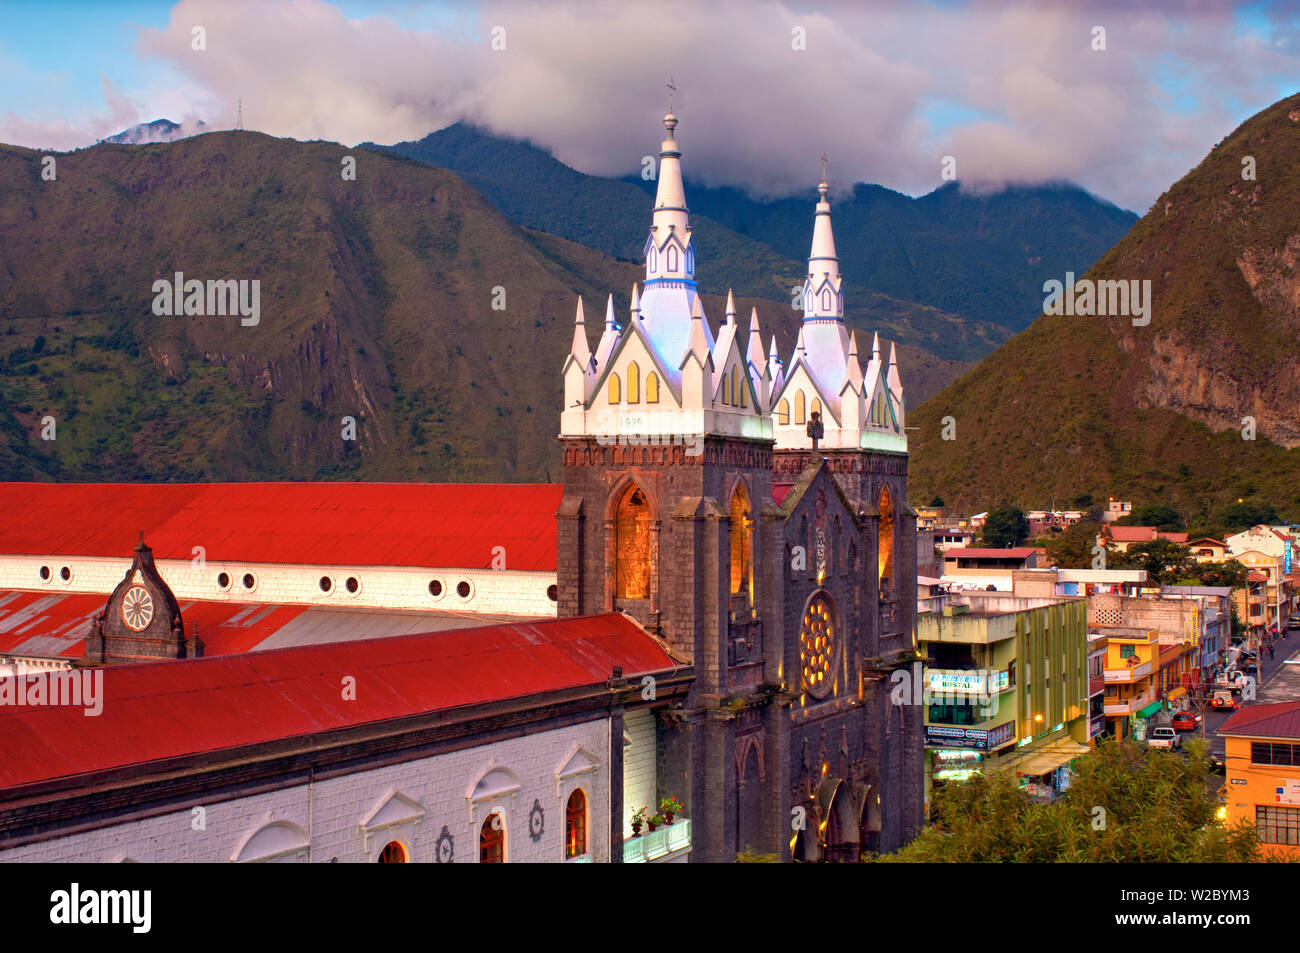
(638, 818)
(654, 821)
(669, 806)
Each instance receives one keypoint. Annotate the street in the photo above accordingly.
(1279, 682)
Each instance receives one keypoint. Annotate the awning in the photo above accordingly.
(1149, 710)
(1046, 758)
(1176, 694)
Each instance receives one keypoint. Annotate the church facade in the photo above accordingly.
(753, 516)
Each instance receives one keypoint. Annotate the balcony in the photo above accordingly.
(1130, 673)
(668, 844)
(1114, 706)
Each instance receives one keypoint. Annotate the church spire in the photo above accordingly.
(669, 253)
(822, 294)
(581, 349)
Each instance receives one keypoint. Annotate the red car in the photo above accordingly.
(1184, 721)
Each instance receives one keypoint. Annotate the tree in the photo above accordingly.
(1229, 573)
(1126, 804)
(1160, 515)
(1163, 560)
(1238, 516)
(937, 501)
(1072, 548)
(1005, 527)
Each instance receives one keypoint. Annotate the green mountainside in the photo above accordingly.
(376, 301)
(1081, 404)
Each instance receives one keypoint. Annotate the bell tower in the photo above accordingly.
(667, 449)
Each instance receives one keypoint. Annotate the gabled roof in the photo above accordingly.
(163, 710)
(1018, 552)
(333, 524)
(1278, 720)
(1130, 534)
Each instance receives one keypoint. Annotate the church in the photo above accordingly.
(707, 608)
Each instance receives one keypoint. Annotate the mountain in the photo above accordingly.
(1157, 412)
(376, 302)
(981, 257)
(934, 263)
(160, 130)
(537, 191)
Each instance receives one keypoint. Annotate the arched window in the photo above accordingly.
(652, 388)
(632, 544)
(799, 416)
(816, 407)
(783, 412)
(575, 825)
(633, 383)
(808, 301)
(653, 263)
(886, 540)
(393, 853)
(826, 299)
(615, 389)
(672, 258)
(492, 839)
(742, 543)
(737, 395)
(726, 389)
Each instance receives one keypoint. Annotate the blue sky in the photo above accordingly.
(1011, 89)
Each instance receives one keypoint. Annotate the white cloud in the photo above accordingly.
(587, 81)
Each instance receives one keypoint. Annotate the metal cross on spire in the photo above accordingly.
(671, 90)
(823, 167)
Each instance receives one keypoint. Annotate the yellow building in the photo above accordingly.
(1130, 675)
(1263, 753)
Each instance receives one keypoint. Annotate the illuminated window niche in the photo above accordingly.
(886, 541)
(632, 545)
(742, 544)
(575, 825)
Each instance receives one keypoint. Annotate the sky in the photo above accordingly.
(1122, 98)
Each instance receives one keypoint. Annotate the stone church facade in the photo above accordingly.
(755, 518)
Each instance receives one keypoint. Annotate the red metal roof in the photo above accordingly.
(1131, 534)
(780, 491)
(335, 524)
(168, 709)
(1278, 720)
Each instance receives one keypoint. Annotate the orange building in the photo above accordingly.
(1263, 749)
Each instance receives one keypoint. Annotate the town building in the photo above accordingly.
(1006, 686)
(1130, 676)
(1122, 537)
(1262, 744)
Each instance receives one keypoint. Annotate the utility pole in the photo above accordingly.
(239, 121)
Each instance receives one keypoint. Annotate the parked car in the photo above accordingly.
(1231, 679)
(1224, 700)
(1185, 721)
(1163, 737)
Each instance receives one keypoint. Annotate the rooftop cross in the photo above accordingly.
(671, 90)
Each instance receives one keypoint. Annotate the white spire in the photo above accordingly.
(774, 365)
(894, 381)
(853, 368)
(755, 349)
(822, 289)
(699, 339)
(636, 302)
(668, 250)
(609, 339)
(875, 347)
(731, 308)
(581, 350)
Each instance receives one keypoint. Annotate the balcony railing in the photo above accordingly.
(1116, 707)
(668, 843)
(1127, 674)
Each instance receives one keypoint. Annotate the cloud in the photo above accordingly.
(1035, 100)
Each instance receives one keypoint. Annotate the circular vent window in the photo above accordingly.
(65, 573)
(223, 580)
(45, 573)
(553, 593)
(435, 588)
(352, 584)
(463, 589)
(249, 581)
(326, 583)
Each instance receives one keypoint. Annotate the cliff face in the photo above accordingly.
(1155, 410)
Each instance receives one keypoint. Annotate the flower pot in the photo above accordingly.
(636, 830)
(668, 819)
(653, 825)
